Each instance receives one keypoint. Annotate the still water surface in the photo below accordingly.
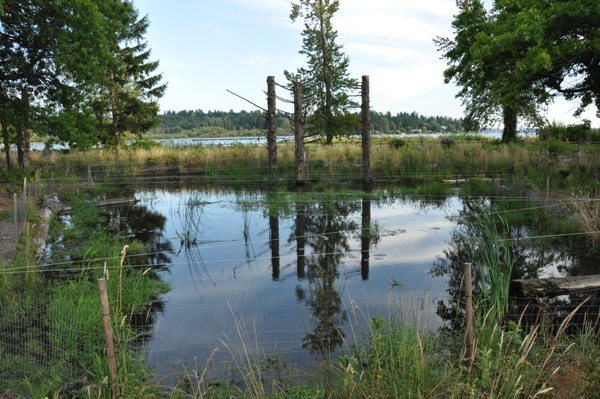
(293, 273)
(298, 275)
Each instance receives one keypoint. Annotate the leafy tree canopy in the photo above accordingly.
(511, 61)
(55, 61)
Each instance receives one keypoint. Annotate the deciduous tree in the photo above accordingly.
(42, 45)
(483, 60)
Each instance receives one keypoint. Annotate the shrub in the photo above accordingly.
(447, 142)
(559, 131)
(397, 143)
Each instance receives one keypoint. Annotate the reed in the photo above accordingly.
(487, 235)
(416, 161)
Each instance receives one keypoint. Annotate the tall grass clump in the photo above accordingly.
(487, 235)
(401, 359)
(586, 213)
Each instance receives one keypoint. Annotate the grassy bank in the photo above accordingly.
(57, 307)
(52, 338)
(522, 166)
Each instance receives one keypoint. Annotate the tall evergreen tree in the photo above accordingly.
(325, 80)
(127, 101)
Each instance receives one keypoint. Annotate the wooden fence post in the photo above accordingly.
(108, 332)
(16, 217)
(301, 170)
(271, 124)
(24, 209)
(37, 185)
(366, 133)
(469, 317)
(90, 180)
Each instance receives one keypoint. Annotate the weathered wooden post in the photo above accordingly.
(366, 134)
(24, 206)
(274, 242)
(469, 344)
(271, 124)
(90, 180)
(365, 237)
(301, 170)
(300, 236)
(108, 332)
(16, 217)
(37, 185)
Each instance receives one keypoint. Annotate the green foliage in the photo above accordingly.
(326, 82)
(399, 358)
(483, 58)
(128, 96)
(142, 144)
(45, 81)
(198, 123)
(573, 133)
(512, 60)
(487, 235)
(476, 187)
(396, 143)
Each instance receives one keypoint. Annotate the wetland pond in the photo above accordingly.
(298, 276)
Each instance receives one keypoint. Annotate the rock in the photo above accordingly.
(52, 202)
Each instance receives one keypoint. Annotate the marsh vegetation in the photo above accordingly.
(318, 245)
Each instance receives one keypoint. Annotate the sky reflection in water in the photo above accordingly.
(236, 266)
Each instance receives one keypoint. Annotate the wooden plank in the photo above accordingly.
(116, 202)
(105, 203)
(554, 286)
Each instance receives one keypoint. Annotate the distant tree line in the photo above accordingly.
(188, 122)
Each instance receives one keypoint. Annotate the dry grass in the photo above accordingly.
(586, 213)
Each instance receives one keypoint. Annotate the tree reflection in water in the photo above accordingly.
(532, 259)
(325, 227)
(147, 227)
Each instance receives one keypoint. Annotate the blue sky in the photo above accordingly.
(208, 46)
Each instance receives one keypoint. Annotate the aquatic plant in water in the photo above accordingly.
(487, 236)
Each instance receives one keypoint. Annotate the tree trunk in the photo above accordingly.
(25, 133)
(366, 134)
(271, 124)
(301, 169)
(115, 118)
(327, 80)
(6, 142)
(23, 149)
(509, 115)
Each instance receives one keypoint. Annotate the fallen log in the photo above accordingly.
(116, 202)
(553, 286)
(105, 203)
(459, 181)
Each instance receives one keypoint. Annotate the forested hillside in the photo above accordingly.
(200, 123)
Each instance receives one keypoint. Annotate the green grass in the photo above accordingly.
(394, 358)
(52, 333)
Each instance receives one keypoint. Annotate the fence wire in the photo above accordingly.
(35, 346)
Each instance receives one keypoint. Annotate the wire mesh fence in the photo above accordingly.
(48, 339)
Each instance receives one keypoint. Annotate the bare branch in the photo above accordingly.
(237, 95)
